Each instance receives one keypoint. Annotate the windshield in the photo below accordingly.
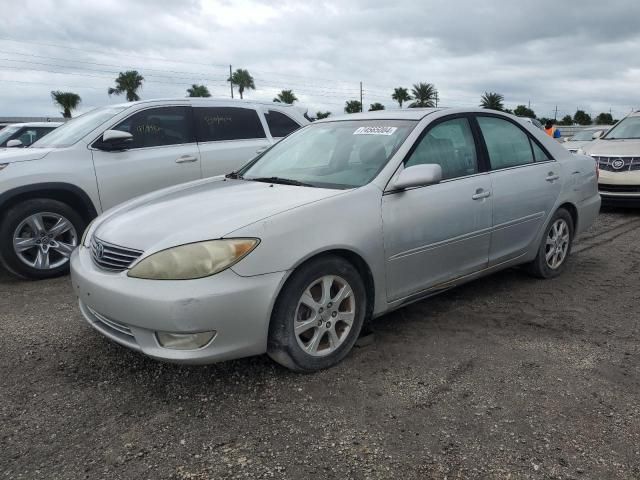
(584, 135)
(75, 129)
(626, 128)
(345, 154)
(6, 133)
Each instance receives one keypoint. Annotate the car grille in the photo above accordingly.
(112, 257)
(619, 188)
(618, 164)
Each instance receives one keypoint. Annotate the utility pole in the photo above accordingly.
(529, 105)
(360, 96)
(230, 82)
(555, 115)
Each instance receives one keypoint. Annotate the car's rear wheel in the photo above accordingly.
(555, 247)
(38, 236)
(318, 315)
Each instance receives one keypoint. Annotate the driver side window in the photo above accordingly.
(449, 144)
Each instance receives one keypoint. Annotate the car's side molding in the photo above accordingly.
(53, 190)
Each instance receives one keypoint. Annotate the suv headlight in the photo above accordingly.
(194, 260)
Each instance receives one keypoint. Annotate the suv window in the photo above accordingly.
(31, 134)
(507, 144)
(157, 127)
(450, 144)
(215, 124)
(279, 124)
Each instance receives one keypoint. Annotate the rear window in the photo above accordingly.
(279, 124)
(214, 124)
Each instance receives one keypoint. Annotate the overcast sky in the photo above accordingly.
(571, 54)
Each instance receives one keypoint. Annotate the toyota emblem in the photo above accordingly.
(99, 250)
(617, 164)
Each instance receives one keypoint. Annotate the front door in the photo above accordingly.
(440, 232)
(526, 185)
(163, 153)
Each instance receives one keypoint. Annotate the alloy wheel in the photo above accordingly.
(45, 240)
(557, 244)
(324, 315)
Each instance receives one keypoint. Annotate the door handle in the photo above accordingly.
(480, 194)
(552, 177)
(186, 159)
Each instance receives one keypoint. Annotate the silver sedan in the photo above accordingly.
(340, 222)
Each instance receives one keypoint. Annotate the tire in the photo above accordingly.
(33, 261)
(329, 323)
(541, 267)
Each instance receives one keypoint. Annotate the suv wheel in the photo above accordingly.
(38, 236)
(318, 315)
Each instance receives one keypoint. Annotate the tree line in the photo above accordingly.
(422, 95)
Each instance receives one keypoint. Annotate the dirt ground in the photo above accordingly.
(506, 377)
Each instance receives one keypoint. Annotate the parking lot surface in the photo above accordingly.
(505, 377)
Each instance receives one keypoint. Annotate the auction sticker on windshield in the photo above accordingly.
(375, 131)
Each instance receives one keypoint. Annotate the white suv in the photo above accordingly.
(618, 155)
(52, 190)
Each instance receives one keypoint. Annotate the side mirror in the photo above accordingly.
(418, 176)
(14, 143)
(597, 135)
(116, 140)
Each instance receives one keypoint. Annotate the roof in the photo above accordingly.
(396, 114)
(35, 124)
(207, 101)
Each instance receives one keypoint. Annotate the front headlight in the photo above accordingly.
(194, 260)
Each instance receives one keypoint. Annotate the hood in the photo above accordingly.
(611, 148)
(198, 211)
(11, 155)
(575, 143)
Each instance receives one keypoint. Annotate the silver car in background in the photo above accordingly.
(343, 220)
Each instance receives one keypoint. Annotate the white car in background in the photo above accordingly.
(617, 153)
(24, 134)
(582, 138)
(52, 190)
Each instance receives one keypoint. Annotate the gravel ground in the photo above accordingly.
(506, 377)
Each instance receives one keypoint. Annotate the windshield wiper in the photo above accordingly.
(234, 175)
(280, 180)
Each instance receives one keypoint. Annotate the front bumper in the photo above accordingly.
(130, 311)
(619, 187)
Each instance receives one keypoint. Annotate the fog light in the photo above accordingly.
(184, 341)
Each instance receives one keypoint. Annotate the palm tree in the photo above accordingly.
(198, 91)
(492, 101)
(424, 95)
(352, 106)
(376, 106)
(67, 100)
(286, 96)
(321, 115)
(128, 83)
(400, 95)
(243, 80)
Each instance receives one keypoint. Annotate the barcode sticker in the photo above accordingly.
(375, 131)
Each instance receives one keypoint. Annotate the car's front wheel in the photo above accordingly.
(318, 315)
(555, 246)
(38, 236)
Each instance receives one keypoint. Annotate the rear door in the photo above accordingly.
(440, 232)
(163, 153)
(526, 184)
(228, 137)
(280, 125)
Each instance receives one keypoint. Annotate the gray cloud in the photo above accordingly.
(569, 54)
